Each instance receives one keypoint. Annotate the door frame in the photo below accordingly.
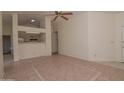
(122, 44)
(1, 50)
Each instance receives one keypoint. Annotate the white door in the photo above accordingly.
(1, 49)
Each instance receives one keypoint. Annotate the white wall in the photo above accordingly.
(48, 44)
(1, 49)
(73, 36)
(29, 50)
(101, 36)
(15, 37)
(7, 29)
(88, 35)
(119, 27)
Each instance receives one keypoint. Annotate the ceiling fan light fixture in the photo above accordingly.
(33, 20)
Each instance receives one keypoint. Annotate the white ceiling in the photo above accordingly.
(26, 16)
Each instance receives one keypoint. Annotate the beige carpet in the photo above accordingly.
(62, 68)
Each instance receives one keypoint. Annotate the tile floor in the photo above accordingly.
(7, 58)
(114, 64)
(61, 68)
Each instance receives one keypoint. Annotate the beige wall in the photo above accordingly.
(119, 28)
(101, 36)
(88, 35)
(73, 36)
(1, 50)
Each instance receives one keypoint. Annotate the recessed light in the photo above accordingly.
(33, 20)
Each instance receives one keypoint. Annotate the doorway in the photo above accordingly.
(7, 38)
(55, 42)
(7, 50)
(6, 45)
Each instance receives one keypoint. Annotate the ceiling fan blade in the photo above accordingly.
(55, 18)
(64, 18)
(69, 13)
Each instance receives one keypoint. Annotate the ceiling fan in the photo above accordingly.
(60, 14)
